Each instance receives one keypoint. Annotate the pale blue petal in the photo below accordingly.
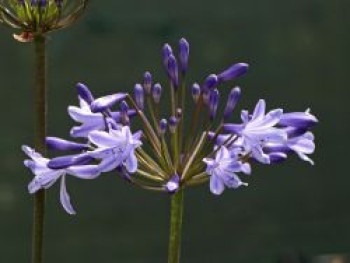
(85, 129)
(259, 110)
(231, 180)
(109, 164)
(270, 119)
(65, 199)
(31, 153)
(246, 168)
(84, 116)
(216, 185)
(84, 171)
(101, 153)
(260, 156)
(131, 163)
(306, 158)
(302, 145)
(102, 139)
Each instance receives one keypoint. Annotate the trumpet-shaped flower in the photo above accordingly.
(89, 120)
(222, 171)
(258, 129)
(302, 145)
(116, 147)
(45, 177)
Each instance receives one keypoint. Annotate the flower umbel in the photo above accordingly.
(179, 147)
(36, 17)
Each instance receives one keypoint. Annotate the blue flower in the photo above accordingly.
(115, 147)
(258, 129)
(90, 121)
(222, 171)
(46, 177)
(301, 145)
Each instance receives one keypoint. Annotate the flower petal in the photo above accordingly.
(65, 199)
(84, 116)
(109, 164)
(102, 139)
(84, 171)
(302, 145)
(131, 163)
(103, 103)
(216, 185)
(55, 143)
(259, 110)
(85, 129)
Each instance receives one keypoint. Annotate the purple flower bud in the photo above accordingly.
(84, 93)
(213, 103)
(69, 160)
(111, 123)
(163, 125)
(172, 124)
(104, 103)
(21, 2)
(124, 108)
(210, 82)
(139, 96)
(196, 91)
(117, 116)
(233, 72)
(173, 185)
(147, 82)
(33, 2)
(55, 143)
(277, 157)
(156, 92)
(298, 119)
(173, 71)
(166, 52)
(233, 98)
(184, 55)
(211, 135)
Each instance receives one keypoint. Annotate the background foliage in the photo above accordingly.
(298, 52)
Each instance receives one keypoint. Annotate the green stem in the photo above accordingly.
(40, 133)
(176, 214)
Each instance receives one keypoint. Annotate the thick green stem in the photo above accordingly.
(40, 133)
(176, 214)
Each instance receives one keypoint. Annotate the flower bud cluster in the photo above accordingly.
(179, 144)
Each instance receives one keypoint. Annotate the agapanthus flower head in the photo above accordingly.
(38, 17)
(179, 146)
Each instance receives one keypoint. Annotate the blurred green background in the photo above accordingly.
(299, 54)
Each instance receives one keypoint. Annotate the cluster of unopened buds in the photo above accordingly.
(171, 150)
(37, 17)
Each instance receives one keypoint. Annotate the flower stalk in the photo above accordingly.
(176, 215)
(40, 133)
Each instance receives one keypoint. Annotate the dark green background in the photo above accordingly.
(299, 54)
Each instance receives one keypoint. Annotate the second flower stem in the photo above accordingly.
(40, 133)
(176, 214)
